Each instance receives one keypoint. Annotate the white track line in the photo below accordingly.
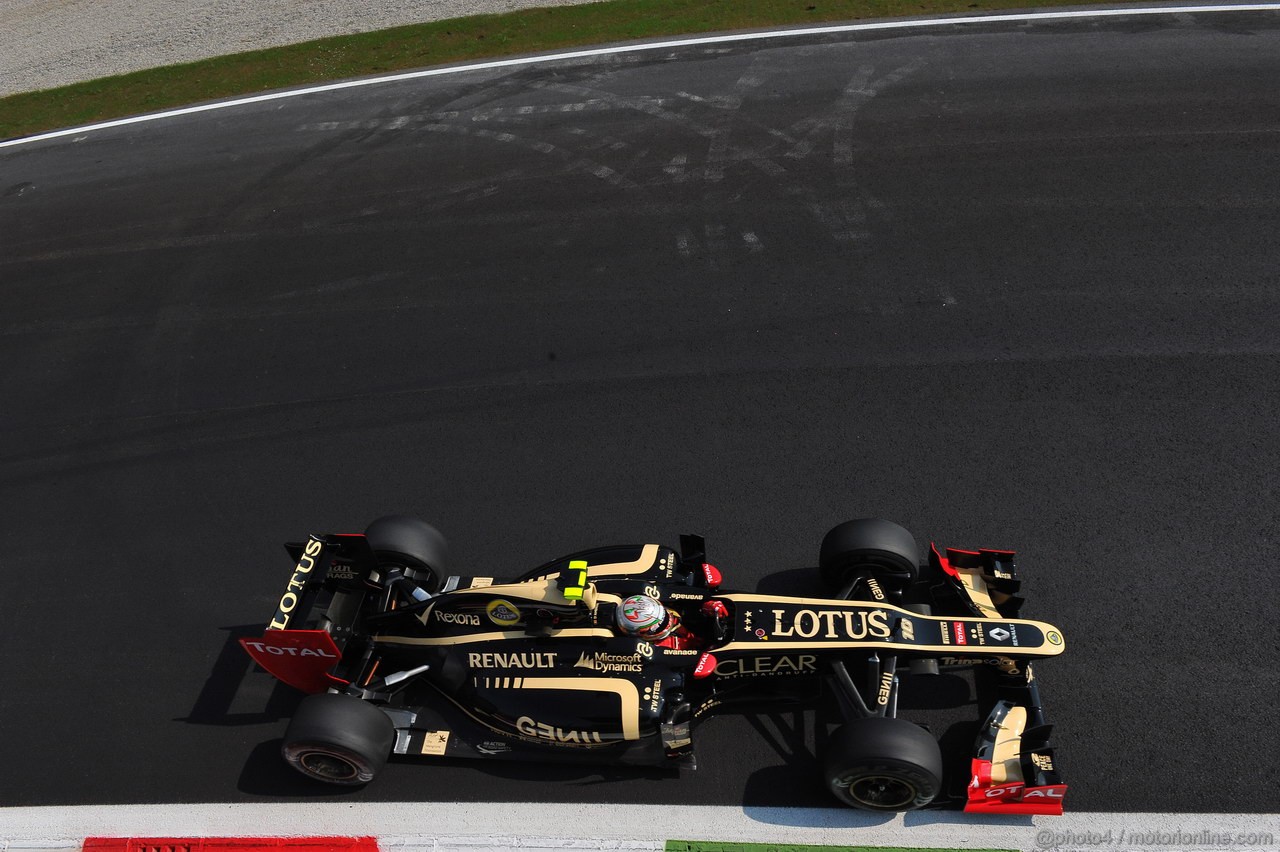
(651, 46)
(444, 826)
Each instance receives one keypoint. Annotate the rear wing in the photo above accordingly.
(302, 656)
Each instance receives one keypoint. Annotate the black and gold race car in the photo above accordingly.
(615, 654)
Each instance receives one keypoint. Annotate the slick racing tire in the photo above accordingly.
(883, 764)
(881, 549)
(338, 739)
(403, 540)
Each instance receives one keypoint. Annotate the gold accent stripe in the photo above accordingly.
(624, 689)
(532, 590)
(1005, 765)
(597, 632)
(979, 651)
(976, 585)
(648, 557)
(829, 603)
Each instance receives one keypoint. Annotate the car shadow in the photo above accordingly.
(229, 684)
(794, 582)
(265, 773)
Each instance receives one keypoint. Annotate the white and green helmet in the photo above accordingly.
(641, 615)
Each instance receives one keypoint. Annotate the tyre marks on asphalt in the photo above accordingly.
(710, 130)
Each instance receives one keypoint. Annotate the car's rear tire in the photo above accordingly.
(883, 764)
(871, 546)
(338, 739)
(408, 541)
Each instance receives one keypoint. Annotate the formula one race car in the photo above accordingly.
(614, 655)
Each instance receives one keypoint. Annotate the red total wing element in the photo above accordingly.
(1012, 797)
(712, 575)
(231, 844)
(300, 658)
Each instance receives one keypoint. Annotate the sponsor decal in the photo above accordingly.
(607, 663)
(278, 651)
(679, 652)
(876, 591)
(886, 687)
(667, 566)
(289, 601)
(644, 649)
(493, 747)
(752, 666)
(341, 571)
(545, 660)
(653, 592)
(831, 624)
(1054, 792)
(946, 632)
(760, 634)
(1054, 637)
(1000, 792)
(682, 596)
(503, 613)
(705, 667)
(957, 628)
(908, 629)
(543, 731)
(1005, 663)
(435, 742)
(467, 618)
(1000, 634)
(1042, 762)
(979, 633)
(480, 582)
(653, 694)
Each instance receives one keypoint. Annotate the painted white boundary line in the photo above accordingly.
(651, 46)
(445, 826)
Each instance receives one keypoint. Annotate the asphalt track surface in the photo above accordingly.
(1010, 284)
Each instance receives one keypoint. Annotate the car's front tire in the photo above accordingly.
(338, 739)
(883, 764)
(871, 546)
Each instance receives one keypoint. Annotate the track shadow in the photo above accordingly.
(266, 774)
(795, 582)
(227, 681)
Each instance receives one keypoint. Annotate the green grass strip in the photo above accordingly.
(422, 45)
(708, 846)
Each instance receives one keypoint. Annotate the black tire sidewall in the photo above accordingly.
(877, 547)
(344, 727)
(891, 748)
(405, 540)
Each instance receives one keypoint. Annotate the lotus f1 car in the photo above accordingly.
(616, 654)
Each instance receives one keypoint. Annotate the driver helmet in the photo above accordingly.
(642, 616)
